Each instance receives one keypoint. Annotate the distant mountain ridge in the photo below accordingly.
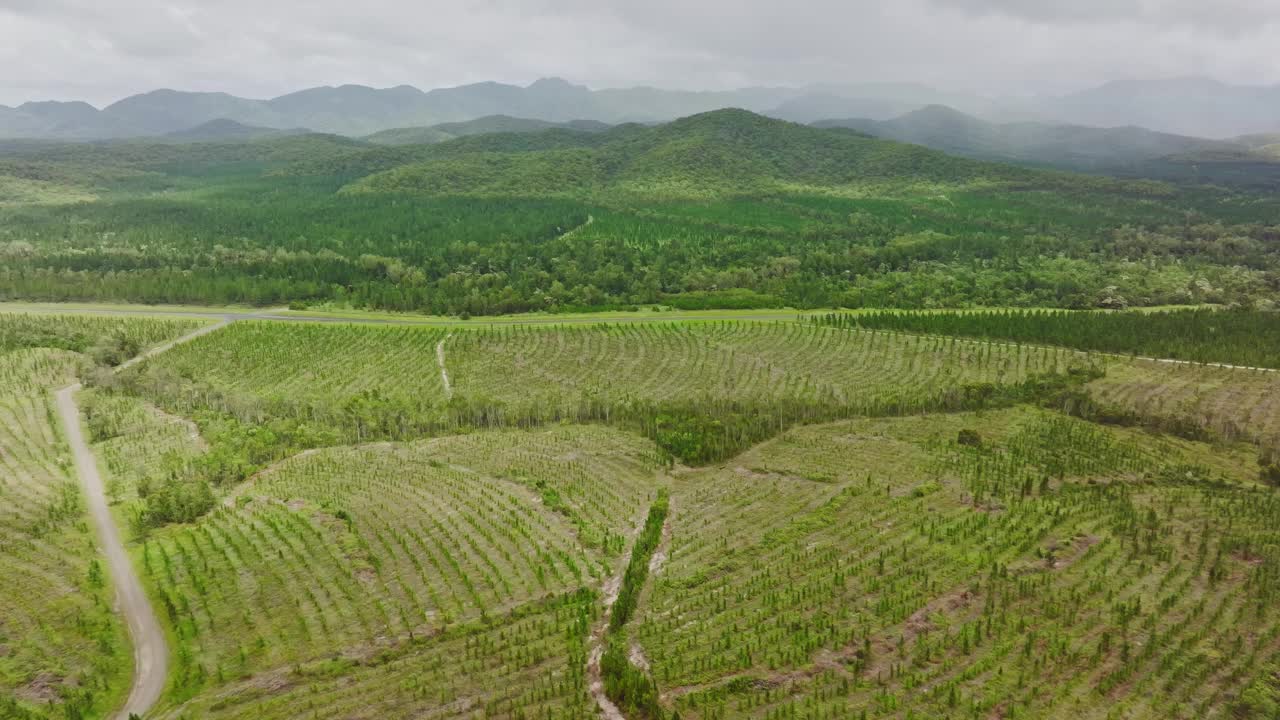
(1194, 107)
(480, 126)
(1115, 150)
(224, 130)
(1075, 146)
(356, 110)
(1185, 106)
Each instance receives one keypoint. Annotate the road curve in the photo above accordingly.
(150, 650)
(150, 653)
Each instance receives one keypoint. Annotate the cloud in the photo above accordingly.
(1230, 16)
(88, 49)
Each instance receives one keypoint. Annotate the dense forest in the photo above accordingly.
(1236, 337)
(725, 209)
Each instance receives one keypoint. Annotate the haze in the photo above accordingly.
(87, 50)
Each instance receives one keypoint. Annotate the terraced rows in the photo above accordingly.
(561, 365)
(301, 362)
(361, 549)
(730, 359)
(1230, 402)
(850, 569)
(525, 665)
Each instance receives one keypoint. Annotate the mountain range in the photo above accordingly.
(1127, 150)
(1191, 106)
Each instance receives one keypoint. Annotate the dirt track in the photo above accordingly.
(150, 654)
(150, 651)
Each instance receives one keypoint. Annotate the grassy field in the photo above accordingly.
(65, 652)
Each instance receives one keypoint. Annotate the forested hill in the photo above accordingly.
(723, 209)
(725, 151)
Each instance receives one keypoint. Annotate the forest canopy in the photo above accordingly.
(726, 209)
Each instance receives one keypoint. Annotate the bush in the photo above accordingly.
(629, 687)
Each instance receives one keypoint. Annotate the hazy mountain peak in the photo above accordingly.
(38, 105)
(554, 83)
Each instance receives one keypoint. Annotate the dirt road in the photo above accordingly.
(444, 373)
(150, 654)
(150, 651)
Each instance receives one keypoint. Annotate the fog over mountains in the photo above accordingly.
(1190, 107)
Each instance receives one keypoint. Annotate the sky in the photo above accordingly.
(103, 50)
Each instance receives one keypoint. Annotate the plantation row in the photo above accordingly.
(367, 548)
(525, 665)
(903, 568)
(1193, 401)
(701, 390)
(1237, 337)
(65, 652)
(107, 340)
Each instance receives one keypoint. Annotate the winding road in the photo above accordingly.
(150, 650)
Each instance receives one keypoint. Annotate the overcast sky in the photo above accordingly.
(102, 50)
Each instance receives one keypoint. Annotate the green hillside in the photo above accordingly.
(224, 130)
(724, 209)
(714, 153)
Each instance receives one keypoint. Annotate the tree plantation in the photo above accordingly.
(721, 417)
(881, 516)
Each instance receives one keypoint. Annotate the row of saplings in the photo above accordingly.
(629, 687)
